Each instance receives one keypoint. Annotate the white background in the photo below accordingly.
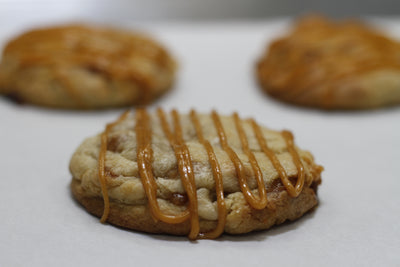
(356, 223)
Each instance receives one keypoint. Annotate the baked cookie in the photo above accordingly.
(81, 67)
(332, 65)
(196, 175)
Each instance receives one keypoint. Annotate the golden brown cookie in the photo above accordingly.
(332, 65)
(195, 174)
(82, 67)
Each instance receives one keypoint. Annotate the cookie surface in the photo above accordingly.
(196, 175)
(84, 67)
(332, 65)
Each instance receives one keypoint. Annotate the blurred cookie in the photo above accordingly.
(332, 65)
(196, 175)
(81, 67)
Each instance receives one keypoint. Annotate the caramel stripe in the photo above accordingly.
(293, 192)
(185, 167)
(219, 188)
(144, 159)
(102, 165)
(234, 158)
(288, 136)
(262, 200)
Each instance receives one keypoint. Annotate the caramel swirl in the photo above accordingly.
(175, 137)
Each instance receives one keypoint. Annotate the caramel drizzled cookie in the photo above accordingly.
(332, 65)
(82, 67)
(193, 174)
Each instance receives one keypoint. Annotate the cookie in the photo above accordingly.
(193, 174)
(332, 65)
(85, 67)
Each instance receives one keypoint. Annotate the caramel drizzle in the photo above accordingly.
(262, 200)
(239, 167)
(185, 167)
(293, 191)
(182, 154)
(288, 136)
(102, 165)
(144, 159)
(219, 187)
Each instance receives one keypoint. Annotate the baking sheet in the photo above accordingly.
(356, 223)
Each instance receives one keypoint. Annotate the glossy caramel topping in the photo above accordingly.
(239, 167)
(293, 191)
(262, 201)
(219, 187)
(185, 168)
(288, 136)
(145, 157)
(102, 165)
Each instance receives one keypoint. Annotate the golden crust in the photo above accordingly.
(82, 67)
(241, 218)
(128, 201)
(332, 65)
